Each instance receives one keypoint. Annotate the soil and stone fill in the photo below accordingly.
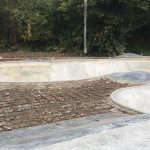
(31, 104)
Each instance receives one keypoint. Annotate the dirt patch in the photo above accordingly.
(24, 105)
(24, 54)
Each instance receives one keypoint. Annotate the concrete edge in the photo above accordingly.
(73, 58)
(131, 82)
(122, 107)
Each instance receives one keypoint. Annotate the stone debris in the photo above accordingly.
(30, 105)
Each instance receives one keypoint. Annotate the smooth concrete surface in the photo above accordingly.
(140, 77)
(135, 98)
(40, 136)
(45, 136)
(66, 70)
(130, 137)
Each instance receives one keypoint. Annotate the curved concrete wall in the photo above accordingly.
(135, 98)
(65, 70)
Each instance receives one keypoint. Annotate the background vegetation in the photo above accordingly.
(114, 26)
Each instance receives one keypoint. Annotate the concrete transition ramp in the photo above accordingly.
(134, 76)
(135, 98)
(66, 69)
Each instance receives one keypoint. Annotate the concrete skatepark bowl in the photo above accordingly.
(33, 72)
(67, 70)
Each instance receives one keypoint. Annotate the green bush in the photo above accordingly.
(114, 26)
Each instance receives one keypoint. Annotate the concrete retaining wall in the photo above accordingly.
(66, 70)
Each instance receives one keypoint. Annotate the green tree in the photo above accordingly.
(114, 26)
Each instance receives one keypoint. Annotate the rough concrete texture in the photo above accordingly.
(132, 136)
(65, 70)
(135, 98)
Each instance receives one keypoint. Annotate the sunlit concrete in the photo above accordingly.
(44, 135)
(111, 129)
(66, 69)
(131, 137)
(135, 98)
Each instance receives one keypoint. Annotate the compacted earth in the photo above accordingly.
(28, 54)
(30, 104)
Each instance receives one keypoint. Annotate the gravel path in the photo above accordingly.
(24, 105)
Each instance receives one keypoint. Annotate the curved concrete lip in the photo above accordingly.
(139, 77)
(136, 98)
(67, 69)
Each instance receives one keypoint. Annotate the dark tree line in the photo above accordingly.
(114, 26)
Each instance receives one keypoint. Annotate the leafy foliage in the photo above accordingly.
(114, 26)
